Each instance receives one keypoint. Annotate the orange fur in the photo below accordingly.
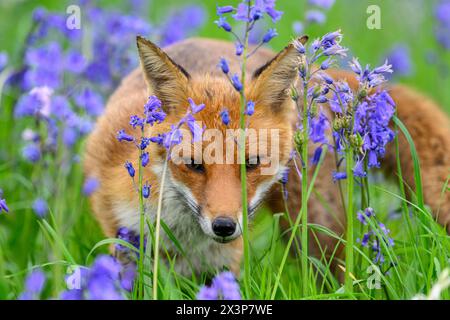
(218, 190)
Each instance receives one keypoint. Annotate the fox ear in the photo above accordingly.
(166, 79)
(272, 82)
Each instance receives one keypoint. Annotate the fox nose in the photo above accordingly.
(223, 227)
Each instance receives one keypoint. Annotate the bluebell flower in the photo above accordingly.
(317, 154)
(358, 170)
(145, 158)
(399, 57)
(181, 23)
(324, 4)
(75, 62)
(194, 127)
(32, 152)
(239, 48)
(135, 121)
(194, 107)
(250, 109)
(3, 206)
(236, 82)
(40, 207)
(271, 33)
(173, 137)
(225, 116)
(70, 136)
(146, 190)
(442, 13)
(298, 27)
(130, 169)
(34, 285)
(315, 16)
(318, 127)
(90, 186)
(122, 136)
(223, 287)
(223, 64)
(90, 101)
(3, 60)
(144, 143)
(224, 9)
(222, 23)
(339, 176)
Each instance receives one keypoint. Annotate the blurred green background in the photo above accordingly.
(408, 22)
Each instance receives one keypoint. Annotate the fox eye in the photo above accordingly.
(252, 163)
(197, 167)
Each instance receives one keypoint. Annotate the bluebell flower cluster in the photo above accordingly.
(362, 119)
(154, 114)
(223, 287)
(106, 279)
(374, 238)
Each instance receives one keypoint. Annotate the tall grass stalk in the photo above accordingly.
(242, 156)
(158, 229)
(304, 208)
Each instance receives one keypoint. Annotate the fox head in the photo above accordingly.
(208, 180)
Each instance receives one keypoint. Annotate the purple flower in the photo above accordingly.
(224, 9)
(339, 176)
(223, 287)
(74, 294)
(236, 82)
(223, 64)
(130, 169)
(316, 157)
(31, 152)
(128, 276)
(324, 4)
(144, 143)
(194, 107)
(122, 136)
(222, 23)
(239, 49)
(90, 101)
(318, 127)
(298, 27)
(34, 284)
(225, 116)
(399, 57)
(442, 13)
(181, 23)
(315, 16)
(135, 121)
(173, 137)
(146, 190)
(3, 60)
(145, 158)
(250, 109)
(358, 170)
(3, 206)
(129, 236)
(75, 62)
(90, 186)
(40, 207)
(271, 33)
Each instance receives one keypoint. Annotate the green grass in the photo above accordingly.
(70, 235)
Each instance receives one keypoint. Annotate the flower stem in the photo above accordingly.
(304, 208)
(141, 231)
(244, 170)
(349, 233)
(157, 232)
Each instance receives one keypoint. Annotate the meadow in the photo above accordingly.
(50, 227)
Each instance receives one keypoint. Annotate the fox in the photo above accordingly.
(202, 203)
